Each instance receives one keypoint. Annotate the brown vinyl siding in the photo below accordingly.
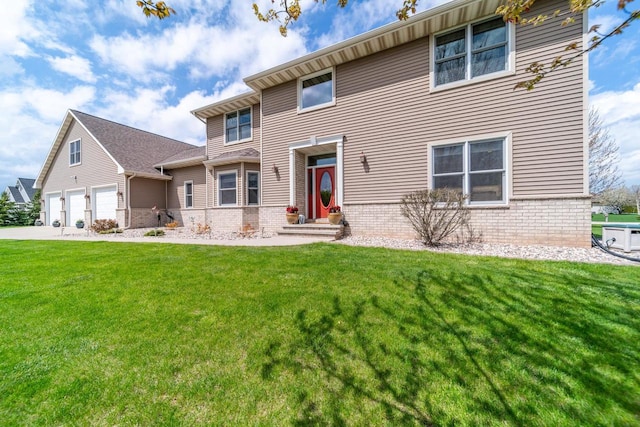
(385, 108)
(96, 167)
(196, 174)
(147, 193)
(215, 135)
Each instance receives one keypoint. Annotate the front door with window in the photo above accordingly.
(321, 185)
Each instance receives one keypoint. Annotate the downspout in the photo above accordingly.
(128, 189)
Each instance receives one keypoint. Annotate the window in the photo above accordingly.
(188, 194)
(74, 153)
(238, 126)
(476, 168)
(470, 52)
(316, 90)
(227, 189)
(253, 184)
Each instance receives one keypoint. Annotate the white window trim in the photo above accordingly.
(506, 137)
(333, 90)
(219, 200)
(224, 125)
(511, 58)
(79, 150)
(247, 188)
(184, 186)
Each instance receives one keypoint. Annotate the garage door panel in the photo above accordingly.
(106, 203)
(76, 205)
(54, 206)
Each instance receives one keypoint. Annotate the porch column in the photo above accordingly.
(339, 171)
(292, 176)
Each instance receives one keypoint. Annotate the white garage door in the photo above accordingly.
(54, 206)
(75, 207)
(106, 203)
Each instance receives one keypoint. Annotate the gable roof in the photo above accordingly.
(132, 150)
(14, 194)
(27, 185)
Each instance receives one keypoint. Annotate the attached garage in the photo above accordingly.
(53, 206)
(75, 206)
(105, 203)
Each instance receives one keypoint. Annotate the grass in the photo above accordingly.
(597, 228)
(99, 333)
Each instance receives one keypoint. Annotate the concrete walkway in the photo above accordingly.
(72, 233)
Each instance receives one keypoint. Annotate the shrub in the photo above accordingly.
(437, 215)
(101, 225)
(202, 228)
(154, 233)
(172, 225)
(111, 231)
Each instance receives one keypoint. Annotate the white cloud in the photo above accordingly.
(15, 28)
(75, 66)
(620, 113)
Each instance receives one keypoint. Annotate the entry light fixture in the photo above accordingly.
(363, 157)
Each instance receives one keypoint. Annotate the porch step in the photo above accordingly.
(317, 229)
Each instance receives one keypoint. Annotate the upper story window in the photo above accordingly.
(316, 91)
(476, 168)
(74, 153)
(238, 126)
(188, 194)
(470, 52)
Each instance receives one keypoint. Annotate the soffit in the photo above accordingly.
(232, 104)
(432, 21)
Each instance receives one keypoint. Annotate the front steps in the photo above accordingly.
(317, 229)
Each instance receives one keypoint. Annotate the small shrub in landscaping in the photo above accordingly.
(100, 225)
(154, 233)
(437, 215)
(111, 231)
(172, 225)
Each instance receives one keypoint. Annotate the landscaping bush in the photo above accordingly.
(154, 233)
(437, 215)
(102, 225)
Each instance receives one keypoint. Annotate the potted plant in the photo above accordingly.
(335, 215)
(56, 223)
(292, 214)
(80, 223)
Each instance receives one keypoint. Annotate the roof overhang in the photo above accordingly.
(194, 161)
(231, 104)
(159, 176)
(231, 160)
(448, 15)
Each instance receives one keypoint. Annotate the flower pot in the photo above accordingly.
(79, 224)
(335, 218)
(56, 223)
(292, 218)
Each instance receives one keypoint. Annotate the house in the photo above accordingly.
(99, 169)
(22, 193)
(424, 103)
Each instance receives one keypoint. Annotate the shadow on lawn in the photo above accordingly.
(462, 349)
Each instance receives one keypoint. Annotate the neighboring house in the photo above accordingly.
(98, 169)
(424, 103)
(22, 193)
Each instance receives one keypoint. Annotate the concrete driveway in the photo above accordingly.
(72, 233)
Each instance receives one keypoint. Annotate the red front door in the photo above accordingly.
(324, 189)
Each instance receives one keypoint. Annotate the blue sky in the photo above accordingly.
(105, 58)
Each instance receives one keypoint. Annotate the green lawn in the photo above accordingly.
(99, 333)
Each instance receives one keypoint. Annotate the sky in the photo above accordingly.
(107, 59)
